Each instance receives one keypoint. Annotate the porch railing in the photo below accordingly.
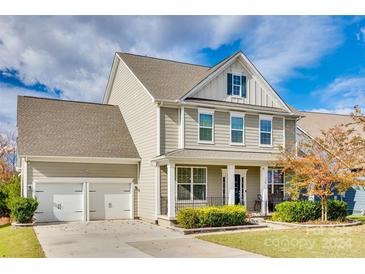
(210, 201)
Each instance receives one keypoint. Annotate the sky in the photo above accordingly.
(315, 63)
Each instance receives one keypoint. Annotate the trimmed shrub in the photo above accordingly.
(22, 209)
(337, 210)
(212, 216)
(303, 211)
(296, 211)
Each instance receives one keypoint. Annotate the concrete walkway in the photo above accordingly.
(126, 239)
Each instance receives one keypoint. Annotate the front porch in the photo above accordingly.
(183, 184)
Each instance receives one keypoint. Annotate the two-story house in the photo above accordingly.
(205, 135)
(182, 135)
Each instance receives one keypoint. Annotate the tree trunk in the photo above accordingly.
(325, 209)
(322, 207)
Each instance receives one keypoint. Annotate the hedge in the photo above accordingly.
(303, 211)
(8, 191)
(212, 216)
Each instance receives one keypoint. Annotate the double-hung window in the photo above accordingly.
(265, 130)
(191, 183)
(237, 128)
(206, 126)
(275, 182)
(236, 85)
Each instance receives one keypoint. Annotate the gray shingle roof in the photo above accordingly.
(314, 122)
(48, 127)
(167, 79)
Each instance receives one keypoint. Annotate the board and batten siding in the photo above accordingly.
(222, 132)
(257, 93)
(169, 136)
(37, 170)
(140, 115)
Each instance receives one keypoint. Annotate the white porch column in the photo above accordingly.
(171, 190)
(264, 189)
(158, 191)
(230, 183)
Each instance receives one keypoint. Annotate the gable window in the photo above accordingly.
(265, 130)
(206, 121)
(237, 128)
(191, 183)
(236, 85)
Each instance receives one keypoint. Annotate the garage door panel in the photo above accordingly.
(59, 202)
(109, 201)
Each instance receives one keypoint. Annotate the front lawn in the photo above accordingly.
(298, 243)
(19, 243)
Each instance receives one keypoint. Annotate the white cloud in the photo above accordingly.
(282, 45)
(74, 54)
(342, 94)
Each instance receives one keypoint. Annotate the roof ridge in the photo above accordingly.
(164, 59)
(67, 101)
(325, 113)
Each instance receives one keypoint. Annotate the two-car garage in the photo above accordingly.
(65, 199)
(77, 159)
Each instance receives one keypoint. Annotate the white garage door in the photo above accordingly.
(109, 201)
(59, 202)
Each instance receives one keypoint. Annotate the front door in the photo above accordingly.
(239, 186)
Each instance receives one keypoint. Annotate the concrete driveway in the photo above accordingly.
(126, 239)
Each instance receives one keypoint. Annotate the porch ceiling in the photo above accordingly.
(205, 156)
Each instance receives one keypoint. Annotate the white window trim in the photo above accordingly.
(240, 95)
(209, 112)
(192, 184)
(236, 115)
(265, 117)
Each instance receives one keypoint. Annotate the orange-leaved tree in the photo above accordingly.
(325, 165)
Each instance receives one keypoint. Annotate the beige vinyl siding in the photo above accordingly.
(169, 137)
(258, 93)
(38, 170)
(290, 133)
(140, 115)
(222, 132)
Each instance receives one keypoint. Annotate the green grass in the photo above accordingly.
(357, 218)
(338, 242)
(19, 243)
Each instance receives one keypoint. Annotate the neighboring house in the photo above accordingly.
(202, 136)
(310, 126)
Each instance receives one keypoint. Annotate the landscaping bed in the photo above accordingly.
(316, 223)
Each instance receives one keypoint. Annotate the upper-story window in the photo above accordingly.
(236, 85)
(265, 130)
(237, 128)
(206, 126)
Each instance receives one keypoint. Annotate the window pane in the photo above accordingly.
(278, 189)
(265, 125)
(206, 120)
(199, 176)
(237, 136)
(199, 192)
(236, 80)
(265, 138)
(278, 177)
(236, 90)
(183, 175)
(237, 123)
(269, 176)
(183, 192)
(205, 134)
